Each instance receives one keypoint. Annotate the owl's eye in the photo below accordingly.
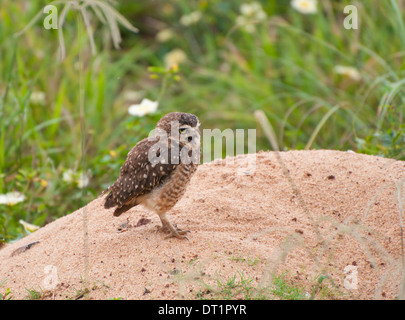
(181, 130)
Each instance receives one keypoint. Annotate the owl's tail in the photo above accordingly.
(120, 210)
(105, 191)
(109, 201)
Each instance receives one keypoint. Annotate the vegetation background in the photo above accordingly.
(65, 126)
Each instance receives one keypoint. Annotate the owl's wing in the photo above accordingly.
(139, 174)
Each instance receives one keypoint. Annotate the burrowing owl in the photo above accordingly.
(158, 169)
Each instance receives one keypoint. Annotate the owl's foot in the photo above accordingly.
(173, 231)
(177, 233)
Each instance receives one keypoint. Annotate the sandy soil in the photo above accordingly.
(306, 213)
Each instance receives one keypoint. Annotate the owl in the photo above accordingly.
(158, 169)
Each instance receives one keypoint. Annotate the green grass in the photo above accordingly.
(283, 287)
(33, 294)
(285, 69)
(284, 290)
(233, 287)
(248, 260)
(5, 293)
(237, 286)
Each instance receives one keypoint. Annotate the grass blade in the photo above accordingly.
(320, 125)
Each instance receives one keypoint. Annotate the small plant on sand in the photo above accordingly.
(7, 294)
(283, 289)
(33, 294)
(237, 286)
(248, 260)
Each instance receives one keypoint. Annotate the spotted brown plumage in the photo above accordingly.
(158, 169)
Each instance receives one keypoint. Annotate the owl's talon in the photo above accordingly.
(179, 234)
(163, 229)
(176, 235)
(175, 232)
(183, 231)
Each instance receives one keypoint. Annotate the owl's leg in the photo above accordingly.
(173, 232)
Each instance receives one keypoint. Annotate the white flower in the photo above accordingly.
(68, 176)
(349, 72)
(304, 6)
(164, 35)
(83, 181)
(132, 95)
(247, 9)
(11, 198)
(246, 24)
(37, 97)
(174, 57)
(253, 10)
(190, 18)
(250, 13)
(145, 107)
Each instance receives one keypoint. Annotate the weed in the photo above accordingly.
(238, 286)
(325, 288)
(33, 294)
(248, 260)
(7, 294)
(241, 286)
(283, 289)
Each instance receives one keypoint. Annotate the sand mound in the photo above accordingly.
(312, 215)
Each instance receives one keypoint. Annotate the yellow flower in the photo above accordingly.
(43, 182)
(174, 57)
(113, 154)
(175, 67)
(304, 6)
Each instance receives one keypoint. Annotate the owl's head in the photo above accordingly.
(184, 127)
